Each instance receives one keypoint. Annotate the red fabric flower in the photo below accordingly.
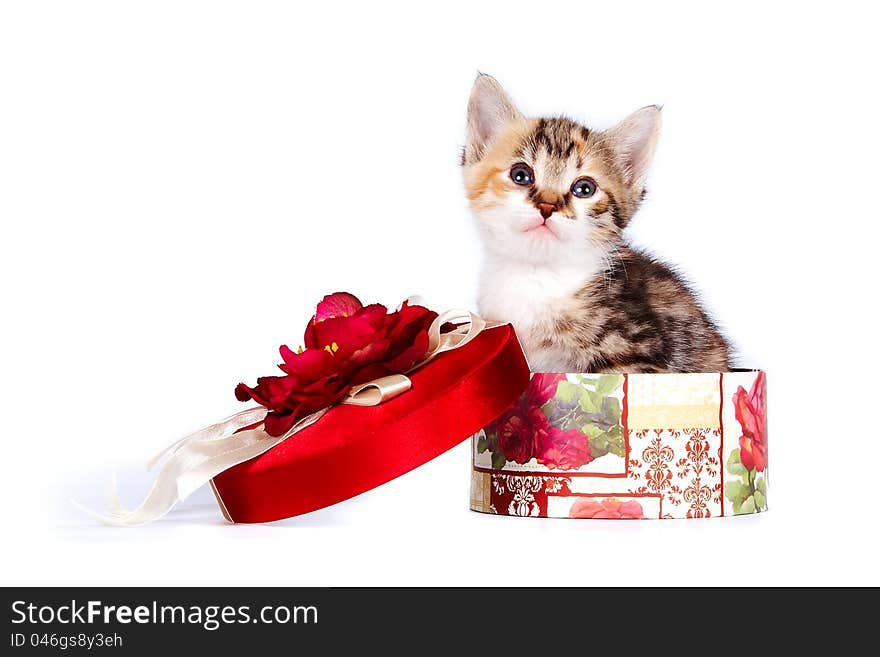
(608, 508)
(518, 427)
(562, 450)
(346, 344)
(751, 412)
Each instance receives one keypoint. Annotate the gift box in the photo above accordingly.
(368, 396)
(352, 448)
(372, 394)
(627, 446)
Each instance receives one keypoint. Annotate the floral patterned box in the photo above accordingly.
(627, 446)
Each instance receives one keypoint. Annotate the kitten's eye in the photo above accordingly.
(522, 174)
(584, 187)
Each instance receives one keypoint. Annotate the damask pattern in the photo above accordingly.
(682, 465)
(524, 495)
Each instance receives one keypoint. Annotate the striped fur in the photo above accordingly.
(580, 298)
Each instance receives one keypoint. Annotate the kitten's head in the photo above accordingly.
(551, 190)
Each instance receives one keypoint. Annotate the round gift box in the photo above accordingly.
(634, 446)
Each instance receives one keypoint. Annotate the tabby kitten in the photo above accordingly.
(551, 199)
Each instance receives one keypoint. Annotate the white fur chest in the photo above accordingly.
(531, 298)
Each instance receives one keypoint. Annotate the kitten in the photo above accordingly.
(551, 199)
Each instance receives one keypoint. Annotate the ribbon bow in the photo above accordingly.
(197, 458)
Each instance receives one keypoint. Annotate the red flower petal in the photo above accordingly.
(407, 322)
(409, 336)
(372, 353)
(270, 391)
(277, 424)
(363, 343)
(287, 353)
(309, 365)
(348, 332)
(243, 393)
(370, 372)
(745, 452)
(750, 410)
(562, 450)
(376, 314)
(611, 504)
(631, 509)
(542, 388)
(584, 507)
(338, 304)
(758, 394)
(515, 438)
(408, 357)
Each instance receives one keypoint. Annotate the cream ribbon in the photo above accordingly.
(197, 458)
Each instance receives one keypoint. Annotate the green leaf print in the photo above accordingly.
(760, 499)
(761, 485)
(590, 401)
(608, 383)
(567, 391)
(612, 409)
(736, 491)
(735, 466)
(592, 430)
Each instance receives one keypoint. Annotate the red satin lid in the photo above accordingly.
(353, 449)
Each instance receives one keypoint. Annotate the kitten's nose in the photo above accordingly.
(546, 209)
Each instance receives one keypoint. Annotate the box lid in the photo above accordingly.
(353, 449)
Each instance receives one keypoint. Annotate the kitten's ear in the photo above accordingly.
(489, 110)
(635, 140)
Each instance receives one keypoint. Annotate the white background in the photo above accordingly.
(180, 182)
